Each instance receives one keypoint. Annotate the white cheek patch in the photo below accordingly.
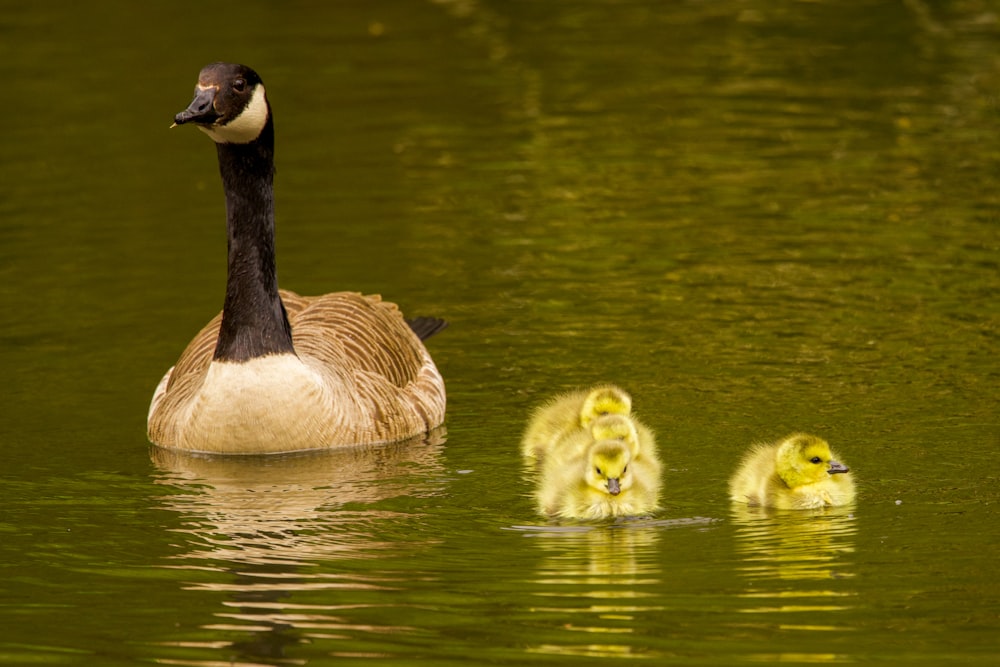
(244, 128)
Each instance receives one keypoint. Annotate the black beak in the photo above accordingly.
(613, 487)
(836, 467)
(201, 110)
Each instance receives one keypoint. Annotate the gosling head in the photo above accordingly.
(229, 104)
(805, 459)
(608, 467)
(605, 400)
(616, 427)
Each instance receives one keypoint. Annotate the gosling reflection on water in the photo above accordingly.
(798, 567)
(593, 584)
(793, 546)
(596, 459)
(596, 583)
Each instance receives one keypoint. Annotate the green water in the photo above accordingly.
(758, 217)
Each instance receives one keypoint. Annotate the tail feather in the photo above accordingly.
(425, 327)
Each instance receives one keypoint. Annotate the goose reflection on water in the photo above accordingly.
(287, 539)
(281, 508)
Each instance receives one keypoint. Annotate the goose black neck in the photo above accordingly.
(254, 322)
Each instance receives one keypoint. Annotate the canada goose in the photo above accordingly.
(610, 470)
(799, 472)
(571, 412)
(275, 371)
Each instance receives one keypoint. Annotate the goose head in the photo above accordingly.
(805, 459)
(229, 104)
(607, 469)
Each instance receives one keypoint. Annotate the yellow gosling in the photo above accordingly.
(604, 400)
(799, 472)
(611, 471)
(627, 429)
(569, 414)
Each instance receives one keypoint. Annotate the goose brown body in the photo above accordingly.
(276, 371)
(375, 382)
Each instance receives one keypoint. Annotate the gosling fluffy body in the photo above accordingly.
(571, 414)
(608, 470)
(798, 472)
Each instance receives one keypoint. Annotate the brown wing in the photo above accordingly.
(365, 345)
(357, 333)
(196, 357)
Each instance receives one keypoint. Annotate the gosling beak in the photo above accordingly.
(613, 487)
(201, 110)
(836, 466)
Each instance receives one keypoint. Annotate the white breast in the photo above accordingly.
(267, 404)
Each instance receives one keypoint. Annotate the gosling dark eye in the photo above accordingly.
(598, 471)
(624, 470)
(239, 85)
(815, 459)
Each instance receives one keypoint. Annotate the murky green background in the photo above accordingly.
(757, 216)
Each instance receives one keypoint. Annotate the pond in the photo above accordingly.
(757, 217)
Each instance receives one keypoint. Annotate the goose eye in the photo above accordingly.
(598, 471)
(239, 85)
(815, 459)
(624, 470)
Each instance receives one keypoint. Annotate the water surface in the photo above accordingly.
(757, 217)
